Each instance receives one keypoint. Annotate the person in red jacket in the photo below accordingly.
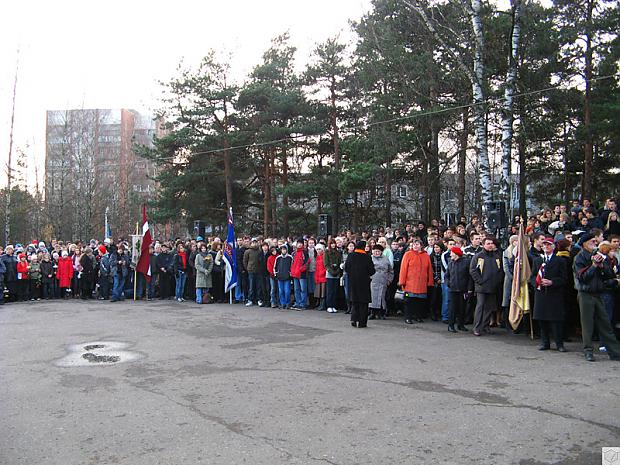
(22, 277)
(416, 276)
(64, 273)
(320, 277)
(299, 273)
(273, 281)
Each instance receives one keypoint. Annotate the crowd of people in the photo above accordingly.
(459, 274)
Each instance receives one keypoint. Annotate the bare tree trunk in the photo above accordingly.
(336, 141)
(565, 160)
(266, 194)
(462, 163)
(9, 171)
(434, 203)
(388, 195)
(508, 104)
(285, 195)
(522, 178)
(480, 123)
(586, 185)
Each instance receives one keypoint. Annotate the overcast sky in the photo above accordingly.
(81, 54)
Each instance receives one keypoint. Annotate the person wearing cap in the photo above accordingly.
(64, 274)
(592, 278)
(253, 263)
(282, 272)
(359, 268)
(320, 278)
(549, 278)
(460, 285)
(2, 272)
(47, 277)
(384, 274)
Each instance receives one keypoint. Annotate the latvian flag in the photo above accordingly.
(144, 263)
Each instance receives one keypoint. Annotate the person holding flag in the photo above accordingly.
(519, 295)
(230, 257)
(144, 262)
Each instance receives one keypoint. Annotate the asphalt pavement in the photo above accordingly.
(146, 383)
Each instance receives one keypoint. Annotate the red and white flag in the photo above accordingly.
(144, 262)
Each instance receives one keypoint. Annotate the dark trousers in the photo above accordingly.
(414, 307)
(332, 290)
(551, 328)
(165, 285)
(253, 288)
(104, 286)
(389, 296)
(486, 304)
(470, 308)
(217, 291)
(22, 289)
(435, 302)
(264, 288)
(456, 308)
(359, 313)
(35, 289)
(594, 316)
(47, 289)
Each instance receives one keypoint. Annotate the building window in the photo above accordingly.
(402, 191)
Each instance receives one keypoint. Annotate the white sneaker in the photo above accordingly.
(260, 303)
(334, 310)
(248, 304)
(179, 300)
(602, 349)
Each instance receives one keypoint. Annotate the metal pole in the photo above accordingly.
(9, 172)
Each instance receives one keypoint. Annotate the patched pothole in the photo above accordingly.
(99, 353)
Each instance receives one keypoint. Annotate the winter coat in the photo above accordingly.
(240, 257)
(2, 271)
(87, 265)
(34, 274)
(64, 274)
(332, 260)
(123, 267)
(549, 301)
(282, 267)
(457, 275)
(384, 274)
(301, 261)
(10, 264)
(178, 264)
(592, 279)
(312, 254)
(164, 260)
(22, 270)
(416, 272)
(359, 268)
(105, 266)
(47, 272)
(204, 268)
(320, 273)
(271, 262)
(486, 271)
(508, 268)
(252, 260)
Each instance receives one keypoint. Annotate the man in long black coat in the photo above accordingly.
(359, 268)
(549, 276)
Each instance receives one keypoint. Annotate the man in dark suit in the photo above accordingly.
(549, 276)
(359, 268)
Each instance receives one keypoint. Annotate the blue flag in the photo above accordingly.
(230, 256)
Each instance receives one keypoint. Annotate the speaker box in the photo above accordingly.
(325, 225)
(199, 228)
(496, 215)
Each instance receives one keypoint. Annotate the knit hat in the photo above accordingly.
(457, 251)
(361, 245)
(586, 237)
(102, 249)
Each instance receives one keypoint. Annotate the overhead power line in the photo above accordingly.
(421, 114)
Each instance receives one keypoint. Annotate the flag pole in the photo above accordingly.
(230, 292)
(135, 270)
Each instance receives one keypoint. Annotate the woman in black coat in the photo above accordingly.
(549, 275)
(87, 277)
(359, 268)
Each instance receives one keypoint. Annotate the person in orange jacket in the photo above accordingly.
(416, 276)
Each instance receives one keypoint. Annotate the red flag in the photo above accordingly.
(144, 262)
